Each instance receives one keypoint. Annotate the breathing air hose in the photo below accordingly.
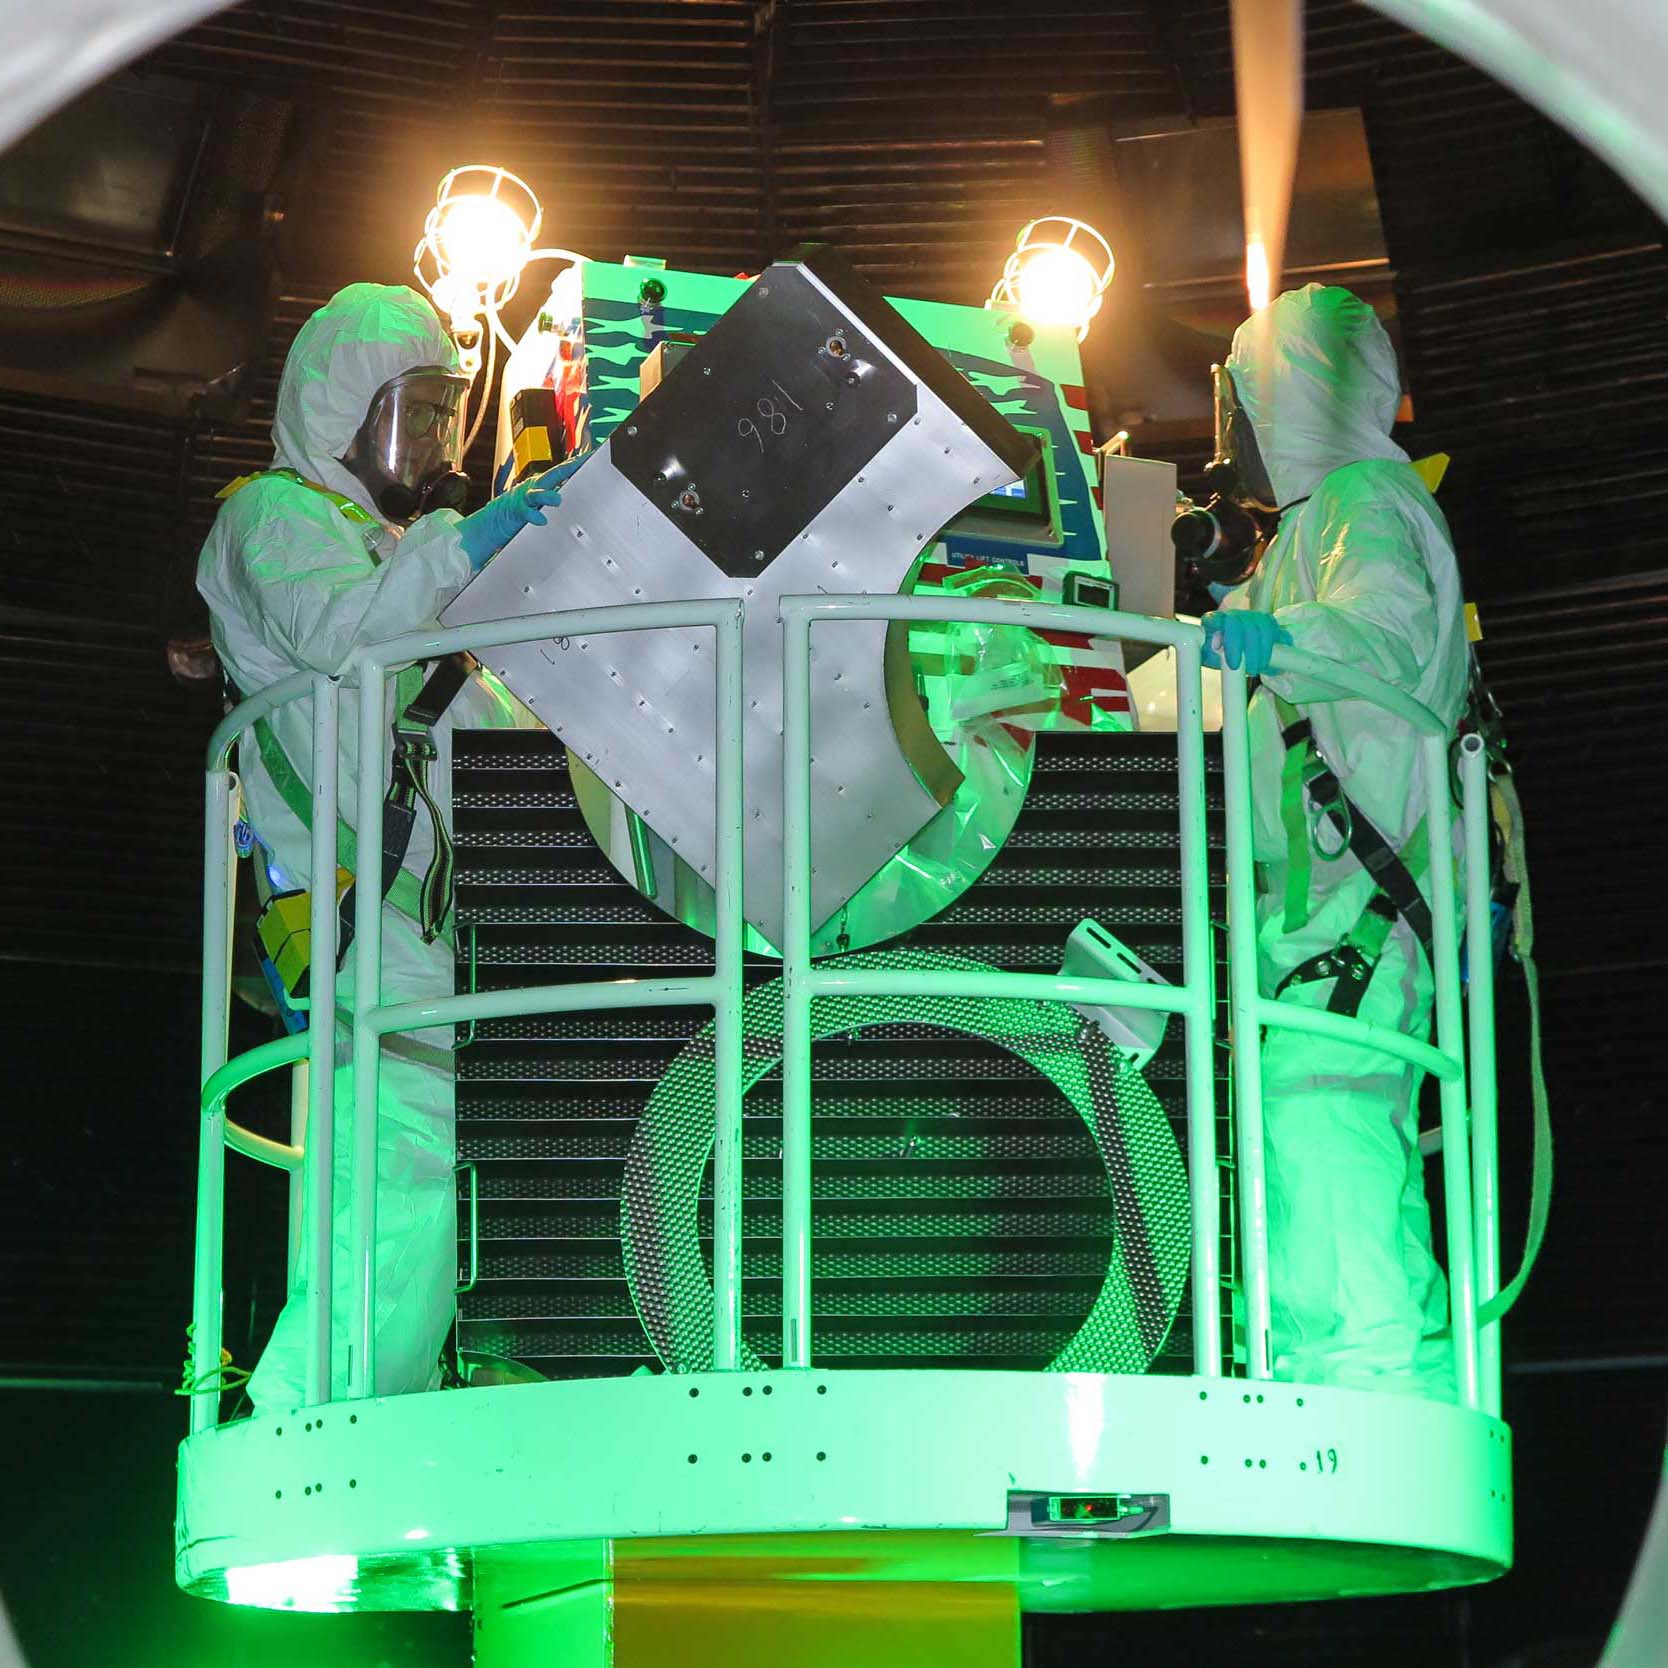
(1508, 816)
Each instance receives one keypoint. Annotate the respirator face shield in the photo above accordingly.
(1237, 471)
(1222, 541)
(409, 448)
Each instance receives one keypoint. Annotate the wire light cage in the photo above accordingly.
(477, 239)
(1058, 273)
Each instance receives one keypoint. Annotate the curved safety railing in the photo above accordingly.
(720, 990)
(1468, 1126)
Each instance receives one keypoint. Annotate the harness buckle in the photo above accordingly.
(414, 746)
(1335, 816)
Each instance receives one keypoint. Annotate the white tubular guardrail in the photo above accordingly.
(1468, 1151)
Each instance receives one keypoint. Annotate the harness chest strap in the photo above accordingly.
(353, 511)
(1302, 765)
(405, 891)
(1306, 776)
(419, 706)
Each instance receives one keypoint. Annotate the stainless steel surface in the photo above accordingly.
(638, 708)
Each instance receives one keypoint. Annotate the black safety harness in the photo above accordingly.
(408, 787)
(430, 901)
(1312, 797)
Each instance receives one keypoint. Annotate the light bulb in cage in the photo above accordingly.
(477, 238)
(1057, 275)
(482, 240)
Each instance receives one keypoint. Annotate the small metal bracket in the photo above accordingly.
(1101, 1515)
(474, 1226)
(474, 972)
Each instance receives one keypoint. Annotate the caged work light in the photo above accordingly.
(477, 240)
(1057, 275)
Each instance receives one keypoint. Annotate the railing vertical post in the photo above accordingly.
(1479, 953)
(218, 872)
(796, 996)
(727, 1123)
(1245, 1028)
(1450, 1038)
(321, 1039)
(367, 1044)
(299, 1093)
(1199, 975)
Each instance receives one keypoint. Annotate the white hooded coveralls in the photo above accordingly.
(1361, 570)
(294, 584)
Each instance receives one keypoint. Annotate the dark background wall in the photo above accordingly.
(1531, 291)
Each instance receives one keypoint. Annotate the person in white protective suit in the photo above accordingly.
(1362, 570)
(352, 536)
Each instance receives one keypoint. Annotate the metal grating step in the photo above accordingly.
(555, 1260)
(859, 1061)
(920, 1346)
(594, 955)
(982, 1221)
(983, 1140)
(924, 1179)
(1011, 1301)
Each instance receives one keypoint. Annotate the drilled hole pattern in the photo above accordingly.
(962, 1211)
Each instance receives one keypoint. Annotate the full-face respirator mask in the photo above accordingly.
(408, 450)
(1222, 539)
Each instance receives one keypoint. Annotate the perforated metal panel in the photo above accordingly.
(962, 1211)
(1147, 1260)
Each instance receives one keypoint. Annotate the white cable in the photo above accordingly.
(496, 326)
(493, 306)
(1509, 812)
(486, 395)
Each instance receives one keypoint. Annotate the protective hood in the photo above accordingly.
(359, 339)
(1316, 374)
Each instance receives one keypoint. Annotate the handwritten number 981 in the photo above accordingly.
(774, 419)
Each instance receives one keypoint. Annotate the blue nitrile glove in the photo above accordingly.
(491, 527)
(1242, 639)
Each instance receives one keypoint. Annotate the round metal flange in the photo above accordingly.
(1146, 1272)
